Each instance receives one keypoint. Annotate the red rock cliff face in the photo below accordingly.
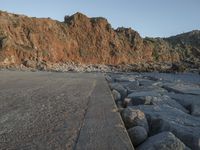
(79, 39)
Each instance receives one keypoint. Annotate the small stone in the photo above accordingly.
(137, 135)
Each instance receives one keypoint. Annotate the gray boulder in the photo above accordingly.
(163, 141)
(186, 100)
(137, 135)
(156, 100)
(108, 78)
(146, 82)
(195, 110)
(134, 89)
(132, 85)
(182, 88)
(165, 118)
(119, 88)
(124, 79)
(116, 95)
(143, 93)
(134, 117)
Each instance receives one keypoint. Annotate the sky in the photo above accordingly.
(152, 18)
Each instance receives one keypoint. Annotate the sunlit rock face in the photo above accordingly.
(85, 40)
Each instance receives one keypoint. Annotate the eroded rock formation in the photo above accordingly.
(83, 40)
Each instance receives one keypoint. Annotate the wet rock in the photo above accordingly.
(134, 117)
(137, 135)
(163, 141)
(166, 118)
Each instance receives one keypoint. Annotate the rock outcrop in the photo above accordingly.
(83, 40)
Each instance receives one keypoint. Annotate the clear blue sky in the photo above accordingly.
(148, 17)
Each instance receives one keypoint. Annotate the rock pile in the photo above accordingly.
(159, 113)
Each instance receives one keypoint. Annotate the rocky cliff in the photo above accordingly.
(85, 40)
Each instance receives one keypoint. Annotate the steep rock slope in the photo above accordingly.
(81, 39)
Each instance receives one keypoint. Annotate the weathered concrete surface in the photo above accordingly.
(58, 111)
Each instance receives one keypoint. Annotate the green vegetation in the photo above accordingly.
(83, 53)
(16, 23)
(155, 55)
(114, 53)
(2, 58)
(2, 42)
(45, 53)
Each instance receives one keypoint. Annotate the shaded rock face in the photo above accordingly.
(78, 39)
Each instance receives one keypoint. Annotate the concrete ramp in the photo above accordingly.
(59, 111)
(102, 128)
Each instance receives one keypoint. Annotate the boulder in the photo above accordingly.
(116, 95)
(186, 100)
(182, 88)
(133, 89)
(163, 141)
(166, 118)
(137, 135)
(143, 93)
(195, 110)
(132, 85)
(134, 117)
(125, 79)
(145, 82)
(126, 102)
(108, 78)
(156, 100)
(120, 89)
(41, 66)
